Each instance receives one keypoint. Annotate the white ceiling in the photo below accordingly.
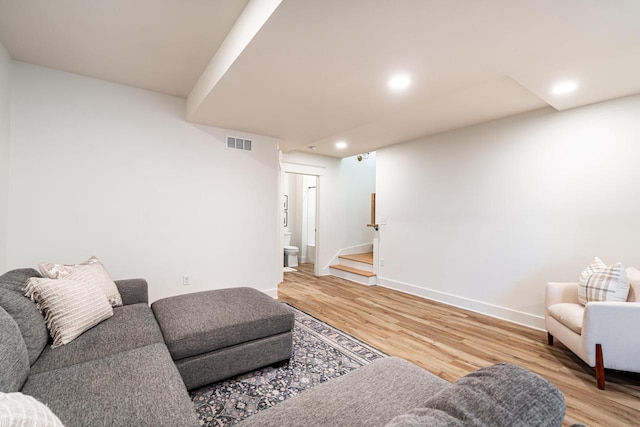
(160, 45)
(316, 71)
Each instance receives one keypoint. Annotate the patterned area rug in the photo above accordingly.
(320, 353)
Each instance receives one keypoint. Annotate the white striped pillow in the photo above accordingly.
(69, 306)
(599, 282)
(99, 275)
(17, 409)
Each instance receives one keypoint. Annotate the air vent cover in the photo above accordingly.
(233, 142)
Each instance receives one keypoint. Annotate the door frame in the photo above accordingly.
(303, 169)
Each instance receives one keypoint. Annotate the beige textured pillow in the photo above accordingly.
(599, 282)
(595, 265)
(99, 274)
(17, 409)
(69, 306)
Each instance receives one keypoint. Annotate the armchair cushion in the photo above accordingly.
(601, 283)
(569, 314)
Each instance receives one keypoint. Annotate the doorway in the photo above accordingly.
(300, 222)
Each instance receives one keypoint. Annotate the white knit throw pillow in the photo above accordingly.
(17, 409)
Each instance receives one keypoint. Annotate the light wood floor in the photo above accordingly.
(451, 342)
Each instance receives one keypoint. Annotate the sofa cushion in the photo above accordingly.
(14, 358)
(92, 270)
(201, 322)
(500, 395)
(29, 319)
(569, 314)
(131, 326)
(369, 396)
(15, 280)
(139, 387)
(17, 409)
(599, 282)
(70, 307)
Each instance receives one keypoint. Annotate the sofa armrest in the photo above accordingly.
(610, 325)
(133, 291)
(559, 292)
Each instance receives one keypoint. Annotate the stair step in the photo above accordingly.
(354, 270)
(365, 258)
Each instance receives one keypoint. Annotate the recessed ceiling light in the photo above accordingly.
(341, 145)
(312, 147)
(399, 82)
(564, 88)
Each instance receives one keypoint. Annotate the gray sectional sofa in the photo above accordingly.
(118, 373)
(121, 373)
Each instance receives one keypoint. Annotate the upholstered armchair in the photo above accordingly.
(603, 334)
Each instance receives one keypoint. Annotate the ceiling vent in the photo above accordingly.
(233, 142)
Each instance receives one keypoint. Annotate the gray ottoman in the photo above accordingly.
(214, 335)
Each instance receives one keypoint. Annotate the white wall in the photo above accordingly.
(358, 181)
(5, 116)
(484, 216)
(109, 170)
(344, 192)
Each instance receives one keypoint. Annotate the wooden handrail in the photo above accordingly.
(373, 212)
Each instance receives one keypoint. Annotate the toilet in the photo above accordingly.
(290, 252)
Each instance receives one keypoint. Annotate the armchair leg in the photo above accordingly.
(549, 338)
(599, 367)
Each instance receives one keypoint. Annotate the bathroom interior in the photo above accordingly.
(299, 219)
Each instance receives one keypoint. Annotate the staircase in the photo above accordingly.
(355, 267)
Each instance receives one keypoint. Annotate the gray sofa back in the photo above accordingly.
(14, 279)
(23, 311)
(14, 359)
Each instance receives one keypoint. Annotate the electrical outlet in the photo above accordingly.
(381, 262)
(186, 279)
(383, 220)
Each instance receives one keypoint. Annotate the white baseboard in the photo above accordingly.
(503, 313)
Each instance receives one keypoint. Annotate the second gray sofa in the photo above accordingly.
(392, 392)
